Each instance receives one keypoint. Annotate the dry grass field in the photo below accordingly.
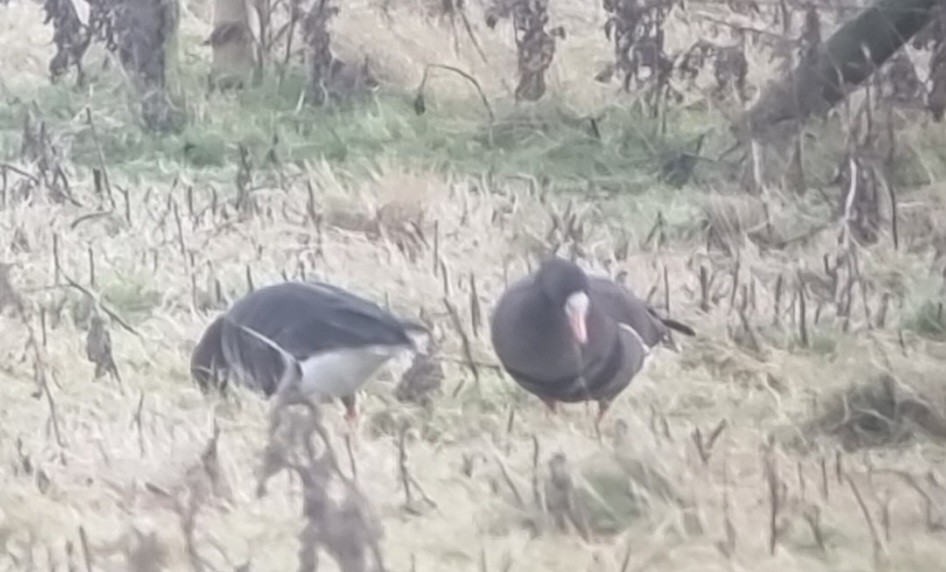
(803, 427)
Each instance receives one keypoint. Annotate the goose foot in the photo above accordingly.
(351, 414)
(602, 411)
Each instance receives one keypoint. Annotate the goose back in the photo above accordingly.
(623, 306)
(328, 332)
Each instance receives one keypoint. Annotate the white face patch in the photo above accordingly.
(576, 308)
(577, 304)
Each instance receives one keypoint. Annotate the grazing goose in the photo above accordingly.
(566, 336)
(300, 339)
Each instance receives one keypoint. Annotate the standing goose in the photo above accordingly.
(566, 336)
(300, 339)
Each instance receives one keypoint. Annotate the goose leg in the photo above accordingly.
(552, 406)
(351, 417)
(602, 411)
(351, 411)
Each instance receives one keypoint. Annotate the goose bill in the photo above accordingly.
(576, 307)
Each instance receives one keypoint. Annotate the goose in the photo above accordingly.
(300, 340)
(565, 336)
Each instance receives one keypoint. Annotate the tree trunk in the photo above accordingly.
(318, 50)
(146, 41)
(232, 41)
(849, 57)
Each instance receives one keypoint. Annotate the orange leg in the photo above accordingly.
(552, 406)
(351, 439)
(602, 411)
(351, 411)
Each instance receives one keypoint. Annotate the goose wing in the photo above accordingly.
(306, 319)
(622, 305)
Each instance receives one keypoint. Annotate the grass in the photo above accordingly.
(545, 141)
(659, 492)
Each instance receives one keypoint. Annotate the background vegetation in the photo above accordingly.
(186, 160)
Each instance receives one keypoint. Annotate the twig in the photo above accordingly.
(57, 267)
(39, 372)
(705, 284)
(801, 480)
(730, 543)
(469, 31)
(879, 546)
(436, 250)
(909, 479)
(127, 202)
(753, 339)
(465, 341)
(42, 325)
(465, 75)
(476, 317)
(180, 228)
(625, 564)
(658, 227)
(86, 553)
(509, 482)
(838, 467)
(445, 277)
(464, 361)
(91, 267)
(402, 465)
(885, 516)
(289, 35)
(136, 421)
(744, 28)
(772, 479)
(19, 171)
(705, 447)
(101, 157)
(802, 313)
(810, 233)
(88, 216)
(813, 517)
(666, 290)
(100, 303)
(778, 301)
(408, 480)
(536, 492)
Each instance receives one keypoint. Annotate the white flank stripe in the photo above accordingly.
(288, 360)
(343, 371)
(638, 336)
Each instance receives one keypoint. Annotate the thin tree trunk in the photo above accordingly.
(147, 44)
(232, 41)
(849, 57)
